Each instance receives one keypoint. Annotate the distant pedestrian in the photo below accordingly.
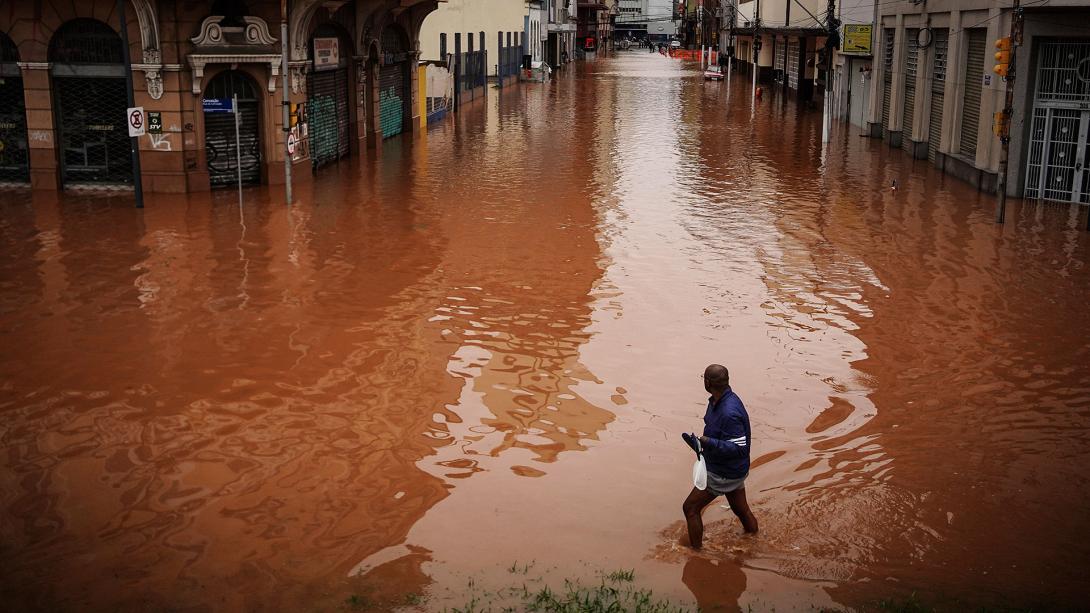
(725, 445)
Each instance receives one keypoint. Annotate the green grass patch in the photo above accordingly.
(608, 596)
(618, 576)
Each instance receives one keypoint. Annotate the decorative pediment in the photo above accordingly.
(255, 32)
(198, 62)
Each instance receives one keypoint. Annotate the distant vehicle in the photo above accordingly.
(675, 44)
(713, 73)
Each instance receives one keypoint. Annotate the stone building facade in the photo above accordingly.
(63, 125)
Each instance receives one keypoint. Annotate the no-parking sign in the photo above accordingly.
(135, 118)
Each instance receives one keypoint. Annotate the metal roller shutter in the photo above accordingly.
(938, 91)
(391, 98)
(970, 105)
(912, 54)
(887, 74)
(327, 116)
(219, 132)
(780, 57)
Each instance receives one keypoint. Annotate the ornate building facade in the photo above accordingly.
(63, 99)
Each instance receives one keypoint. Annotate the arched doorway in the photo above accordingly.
(14, 161)
(395, 83)
(219, 130)
(90, 101)
(328, 101)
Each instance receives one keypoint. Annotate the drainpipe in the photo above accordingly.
(134, 142)
(286, 104)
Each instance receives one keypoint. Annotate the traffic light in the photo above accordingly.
(293, 114)
(1002, 57)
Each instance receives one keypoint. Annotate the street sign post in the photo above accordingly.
(238, 148)
(134, 140)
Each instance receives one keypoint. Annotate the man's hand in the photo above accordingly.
(703, 440)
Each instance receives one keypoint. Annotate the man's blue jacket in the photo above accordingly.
(726, 428)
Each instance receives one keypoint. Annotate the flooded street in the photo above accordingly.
(464, 366)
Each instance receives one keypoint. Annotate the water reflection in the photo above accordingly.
(481, 348)
(717, 584)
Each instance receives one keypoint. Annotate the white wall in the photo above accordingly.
(658, 13)
(472, 16)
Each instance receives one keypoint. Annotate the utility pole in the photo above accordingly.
(730, 39)
(700, 30)
(756, 48)
(832, 42)
(286, 114)
(134, 141)
(1005, 67)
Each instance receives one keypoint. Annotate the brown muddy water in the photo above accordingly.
(465, 366)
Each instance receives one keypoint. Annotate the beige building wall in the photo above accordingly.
(472, 17)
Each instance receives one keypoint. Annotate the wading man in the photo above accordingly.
(725, 444)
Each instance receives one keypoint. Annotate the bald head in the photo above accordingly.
(716, 378)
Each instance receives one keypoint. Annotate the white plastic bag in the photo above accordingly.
(700, 473)
(700, 469)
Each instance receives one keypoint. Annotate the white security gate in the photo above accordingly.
(1058, 146)
(780, 61)
(970, 103)
(887, 74)
(939, 50)
(912, 54)
(793, 64)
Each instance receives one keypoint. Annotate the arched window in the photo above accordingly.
(85, 41)
(230, 83)
(8, 51)
(393, 40)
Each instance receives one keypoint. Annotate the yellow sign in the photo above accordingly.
(857, 38)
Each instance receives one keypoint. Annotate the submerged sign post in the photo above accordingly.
(238, 148)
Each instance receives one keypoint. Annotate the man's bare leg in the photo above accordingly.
(693, 507)
(738, 504)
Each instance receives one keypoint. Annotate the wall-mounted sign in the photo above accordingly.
(327, 53)
(136, 120)
(155, 122)
(857, 38)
